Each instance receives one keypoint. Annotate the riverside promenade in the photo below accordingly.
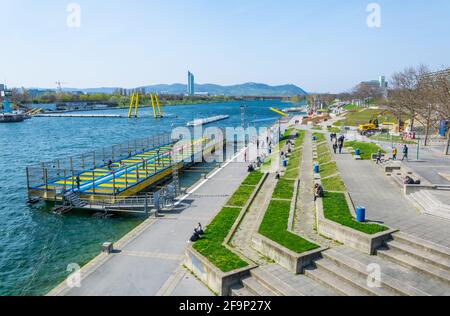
(148, 261)
(386, 203)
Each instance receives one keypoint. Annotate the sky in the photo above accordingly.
(319, 45)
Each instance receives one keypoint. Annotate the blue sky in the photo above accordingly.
(320, 45)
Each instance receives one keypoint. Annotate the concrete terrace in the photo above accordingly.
(148, 262)
(386, 203)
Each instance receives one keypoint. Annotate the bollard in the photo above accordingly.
(108, 247)
(360, 214)
(316, 169)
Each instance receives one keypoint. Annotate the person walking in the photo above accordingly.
(394, 153)
(379, 156)
(340, 145)
(405, 153)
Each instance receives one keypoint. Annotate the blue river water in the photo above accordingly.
(36, 246)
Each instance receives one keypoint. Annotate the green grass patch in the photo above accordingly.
(324, 158)
(320, 138)
(275, 224)
(358, 117)
(333, 184)
(253, 178)
(334, 129)
(394, 139)
(367, 149)
(292, 173)
(211, 246)
(328, 170)
(284, 189)
(351, 107)
(336, 209)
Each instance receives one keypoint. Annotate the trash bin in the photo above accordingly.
(270, 151)
(357, 152)
(314, 138)
(284, 163)
(316, 169)
(360, 214)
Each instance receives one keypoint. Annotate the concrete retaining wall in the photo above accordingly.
(286, 258)
(218, 281)
(207, 272)
(355, 239)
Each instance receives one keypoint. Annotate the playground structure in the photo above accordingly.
(134, 106)
(110, 175)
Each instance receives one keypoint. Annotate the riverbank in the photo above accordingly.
(37, 246)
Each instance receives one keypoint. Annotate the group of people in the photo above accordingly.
(405, 152)
(338, 142)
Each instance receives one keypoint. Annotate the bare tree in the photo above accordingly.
(441, 87)
(409, 94)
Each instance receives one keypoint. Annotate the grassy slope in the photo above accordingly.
(336, 209)
(367, 149)
(358, 117)
(274, 227)
(211, 245)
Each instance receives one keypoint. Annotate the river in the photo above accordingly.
(36, 246)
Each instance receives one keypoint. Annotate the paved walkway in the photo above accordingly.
(242, 240)
(385, 202)
(149, 262)
(305, 221)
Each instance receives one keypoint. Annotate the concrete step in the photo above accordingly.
(258, 289)
(422, 244)
(333, 282)
(358, 264)
(408, 261)
(433, 259)
(241, 291)
(352, 277)
(439, 213)
(274, 284)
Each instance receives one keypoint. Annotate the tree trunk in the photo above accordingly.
(447, 147)
(427, 132)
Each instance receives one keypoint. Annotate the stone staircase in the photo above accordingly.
(408, 267)
(274, 280)
(419, 255)
(429, 204)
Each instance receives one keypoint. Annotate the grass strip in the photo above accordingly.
(211, 245)
(274, 227)
(336, 209)
(367, 149)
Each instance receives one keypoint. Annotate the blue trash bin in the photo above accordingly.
(314, 138)
(270, 151)
(316, 169)
(357, 152)
(360, 214)
(285, 163)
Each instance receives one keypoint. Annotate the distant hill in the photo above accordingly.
(246, 89)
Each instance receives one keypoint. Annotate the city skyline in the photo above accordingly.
(323, 46)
